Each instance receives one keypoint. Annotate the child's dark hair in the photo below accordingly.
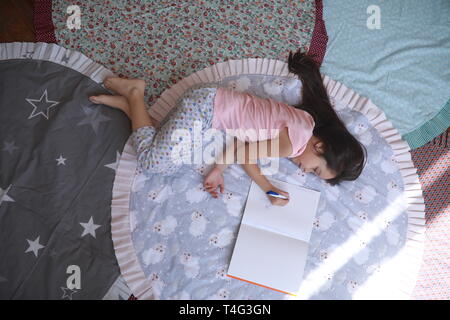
(344, 154)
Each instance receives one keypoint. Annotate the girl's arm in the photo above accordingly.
(244, 153)
(249, 152)
(254, 172)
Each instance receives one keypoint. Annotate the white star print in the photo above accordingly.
(89, 227)
(4, 195)
(34, 246)
(68, 293)
(65, 59)
(34, 101)
(93, 117)
(9, 146)
(114, 165)
(61, 160)
(28, 55)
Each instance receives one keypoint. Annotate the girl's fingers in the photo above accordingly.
(210, 189)
(280, 202)
(286, 194)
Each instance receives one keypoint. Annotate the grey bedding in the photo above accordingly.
(58, 159)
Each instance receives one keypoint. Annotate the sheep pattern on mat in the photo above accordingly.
(184, 238)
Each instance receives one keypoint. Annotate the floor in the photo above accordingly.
(16, 21)
(16, 24)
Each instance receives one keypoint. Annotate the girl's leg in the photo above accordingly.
(139, 115)
(158, 151)
(118, 102)
(149, 144)
(175, 142)
(133, 90)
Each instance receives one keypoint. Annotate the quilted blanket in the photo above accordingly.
(174, 241)
(397, 54)
(58, 159)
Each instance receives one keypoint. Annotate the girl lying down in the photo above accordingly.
(309, 134)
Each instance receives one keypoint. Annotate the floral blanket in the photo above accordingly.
(163, 41)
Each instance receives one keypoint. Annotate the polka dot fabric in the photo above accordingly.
(43, 25)
(433, 163)
(155, 148)
(319, 44)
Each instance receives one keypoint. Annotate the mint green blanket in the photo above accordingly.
(396, 53)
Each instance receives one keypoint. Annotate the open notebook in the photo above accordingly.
(272, 243)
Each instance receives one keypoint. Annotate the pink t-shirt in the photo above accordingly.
(239, 110)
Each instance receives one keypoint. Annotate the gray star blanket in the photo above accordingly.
(58, 159)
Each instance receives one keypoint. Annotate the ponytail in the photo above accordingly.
(315, 99)
(344, 154)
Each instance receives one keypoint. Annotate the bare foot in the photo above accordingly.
(124, 86)
(118, 102)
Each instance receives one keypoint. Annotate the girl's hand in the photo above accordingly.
(279, 201)
(213, 180)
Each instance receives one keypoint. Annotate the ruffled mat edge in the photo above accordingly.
(120, 219)
(413, 249)
(57, 54)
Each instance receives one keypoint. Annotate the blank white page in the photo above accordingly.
(294, 220)
(268, 259)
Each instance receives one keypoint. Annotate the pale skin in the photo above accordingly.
(128, 89)
(310, 161)
(130, 100)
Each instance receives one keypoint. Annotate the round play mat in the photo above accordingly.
(58, 164)
(173, 241)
